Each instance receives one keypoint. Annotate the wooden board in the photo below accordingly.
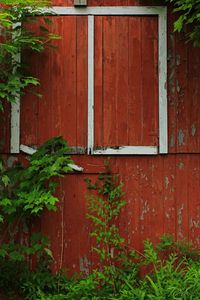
(162, 192)
(126, 67)
(63, 76)
(162, 196)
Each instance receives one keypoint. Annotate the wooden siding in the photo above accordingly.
(126, 81)
(63, 74)
(162, 195)
(162, 192)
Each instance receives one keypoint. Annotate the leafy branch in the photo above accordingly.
(188, 20)
(16, 37)
(26, 191)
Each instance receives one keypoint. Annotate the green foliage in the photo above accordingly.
(104, 206)
(175, 271)
(15, 39)
(168, 270)
(189, 18)
(26, 191)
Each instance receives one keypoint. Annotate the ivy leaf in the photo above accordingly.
(5, 202)
(3, 252)
(48, 252)
(1, 219)
(6, 180)
(178, 25)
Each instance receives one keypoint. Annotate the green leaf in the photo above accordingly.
(5, 202)
(6, 180)
(48, 252)
(178, 25)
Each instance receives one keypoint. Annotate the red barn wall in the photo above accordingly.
(163, 191)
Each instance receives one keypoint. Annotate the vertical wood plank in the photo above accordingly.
(145, 200)
(172, 94)
(193, 99)
(181, 194)
(109, 83)
(193, 199)
(77, 239)
(183, 105)
(133, 198)
(158, 197)
(5, 129)
(81, 80)
(98, 98)
(169, 188)
(149, 84)
(69, 102)
(135, 77)
(122, 82)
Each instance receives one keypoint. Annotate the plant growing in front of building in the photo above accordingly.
(172, 267)
(25, 192)
(105, 203)
(15, 38)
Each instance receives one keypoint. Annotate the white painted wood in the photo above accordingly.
(163, 114)
(106, 10)
(27, 149)
(128, 150)
(90, 84)
(124, 11)
(163, 126)
(15, 114)
(76, 168)
(15, 126)
(30, 151)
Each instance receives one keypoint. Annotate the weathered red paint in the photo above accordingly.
(162, 192)
(126, 99)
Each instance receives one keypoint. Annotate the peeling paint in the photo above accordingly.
(179, 214)
(181, 137)
(181, 165)
(167, 215)
(166, 182)
(178, 87)
(193, 130)
(84, 265)
(145, 210)
(194, 224)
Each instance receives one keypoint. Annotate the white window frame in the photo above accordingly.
(91, 12)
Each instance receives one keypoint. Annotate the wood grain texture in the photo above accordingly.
(63, 76)
(162, 192)
(127, 106)
(5, 129)
(162, 196)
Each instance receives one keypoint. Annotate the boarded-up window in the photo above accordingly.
(126, 82)
(62, 110)
(104, 87)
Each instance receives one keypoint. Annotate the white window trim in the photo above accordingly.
(159, 11)
(15, 114)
